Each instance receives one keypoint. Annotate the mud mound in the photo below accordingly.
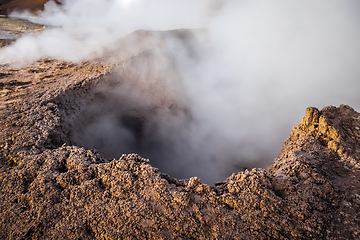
(52, 188)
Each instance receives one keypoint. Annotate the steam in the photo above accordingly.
(246, 77)
(81, 30)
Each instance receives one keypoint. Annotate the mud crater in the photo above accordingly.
(142, 107)
(137, 108)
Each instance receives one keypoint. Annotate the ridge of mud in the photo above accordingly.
(53, 189)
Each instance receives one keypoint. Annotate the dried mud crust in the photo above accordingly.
(51, 189)
(33, 107)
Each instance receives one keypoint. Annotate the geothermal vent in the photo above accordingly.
(137, 108)
(142, 107)
(180, 120)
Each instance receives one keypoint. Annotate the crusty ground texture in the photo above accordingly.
(51, 189)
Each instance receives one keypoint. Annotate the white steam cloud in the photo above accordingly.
(85, 28)
(258, 64)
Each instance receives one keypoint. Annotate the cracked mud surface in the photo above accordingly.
(53, 189)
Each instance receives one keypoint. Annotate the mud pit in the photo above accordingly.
(52, 188)
(137, 109)
(143, 107)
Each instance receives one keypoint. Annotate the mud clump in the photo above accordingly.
(52, 188)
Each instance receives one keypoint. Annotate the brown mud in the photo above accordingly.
(51, 188)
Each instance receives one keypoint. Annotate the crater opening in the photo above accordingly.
(143, 106)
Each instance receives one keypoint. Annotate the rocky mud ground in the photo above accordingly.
(51, 188)
(11, 29)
